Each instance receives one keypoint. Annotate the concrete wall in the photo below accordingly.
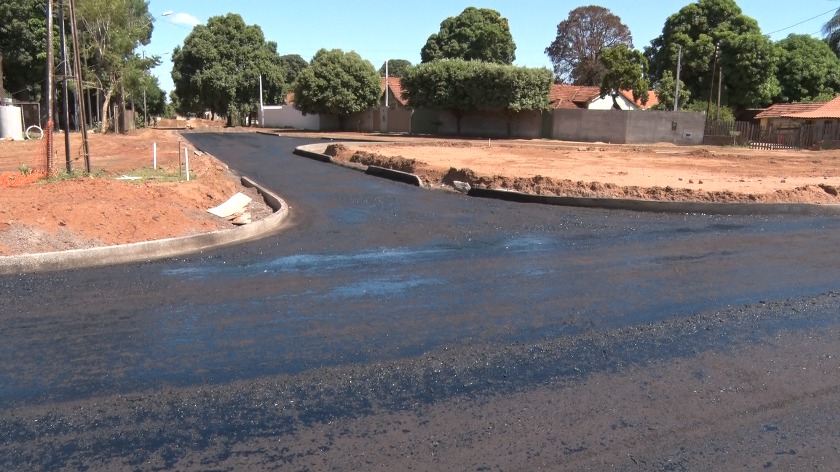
(285, 116)
(608, 126)
(653, 126)
(486, 124)
(629, 127)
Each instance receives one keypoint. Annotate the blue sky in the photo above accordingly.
(380, 30)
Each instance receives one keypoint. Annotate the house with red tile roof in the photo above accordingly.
(572, 97)
(778, 114)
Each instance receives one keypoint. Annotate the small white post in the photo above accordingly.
(154, 155)
(187, 162)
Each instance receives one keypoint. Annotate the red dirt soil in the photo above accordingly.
(94, 211)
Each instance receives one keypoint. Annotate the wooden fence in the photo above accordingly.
(742, 133)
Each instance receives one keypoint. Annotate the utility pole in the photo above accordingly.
(712, 84)
(677, 86)
(720, 87)
(2, 93)
(50, 86)
(77, 65)
(63, 40)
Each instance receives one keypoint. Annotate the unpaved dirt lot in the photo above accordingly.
(49, 215)
(656, 172)
(41, 216)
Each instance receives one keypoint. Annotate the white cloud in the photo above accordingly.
(184, 19)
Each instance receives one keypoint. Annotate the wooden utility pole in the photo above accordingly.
(64, 88)
(2, 93)
(50, 87)
(77, 66)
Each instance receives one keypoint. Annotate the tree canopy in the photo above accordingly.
(831, 30)
(625, 69)
(746, 57)
(479, 34)
(219, 66)
(581, 38)
(460, 87)
(23, 32)
(396, 68)
(110, 33)
(337, 83)
(293, 64)
(808, 69)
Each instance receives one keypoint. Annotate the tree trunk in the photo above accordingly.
(106, 102)
(458, 116)
(122, 119)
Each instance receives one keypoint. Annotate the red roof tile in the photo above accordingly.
(572, 96)
(826, 111)
(652, 100)
(395, 85)
(578, 96)
(779, 110)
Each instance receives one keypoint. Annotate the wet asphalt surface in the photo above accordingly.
(381, 298)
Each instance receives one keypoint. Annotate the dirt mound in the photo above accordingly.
(337, 150)
(396, 162)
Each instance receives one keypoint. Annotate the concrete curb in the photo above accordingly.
(315, 151)
(660, 206)
(152, 250)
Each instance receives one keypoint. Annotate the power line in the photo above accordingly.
(801, 22)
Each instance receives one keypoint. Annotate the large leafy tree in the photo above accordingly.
(337, 83)
(715, 34)
(396, 68)
(111, 31)
(460, 87)
(626, 69)
(808, 69)
(23, 31)
(293, 64)
(477, 34)
(581, 38)
(219, 66)
(831, 30)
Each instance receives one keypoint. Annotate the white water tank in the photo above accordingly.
(11, 122)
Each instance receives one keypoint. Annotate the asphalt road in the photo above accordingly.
(393, 328)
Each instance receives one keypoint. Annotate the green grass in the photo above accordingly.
(147, 174)
(143, 174)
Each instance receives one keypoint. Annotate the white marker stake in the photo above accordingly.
(154, 155)
(187, 162)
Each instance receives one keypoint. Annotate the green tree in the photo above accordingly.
(808, 68)
(111, 31)
(625, 69)
(725, 113)
(831, 30)
(293, 64)
(396, 68)
(337, 83)
(666, 91)
(746, 57)
(479, 34)
(460, 87)
(219, 66)
(23, 44)
(581, 38)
